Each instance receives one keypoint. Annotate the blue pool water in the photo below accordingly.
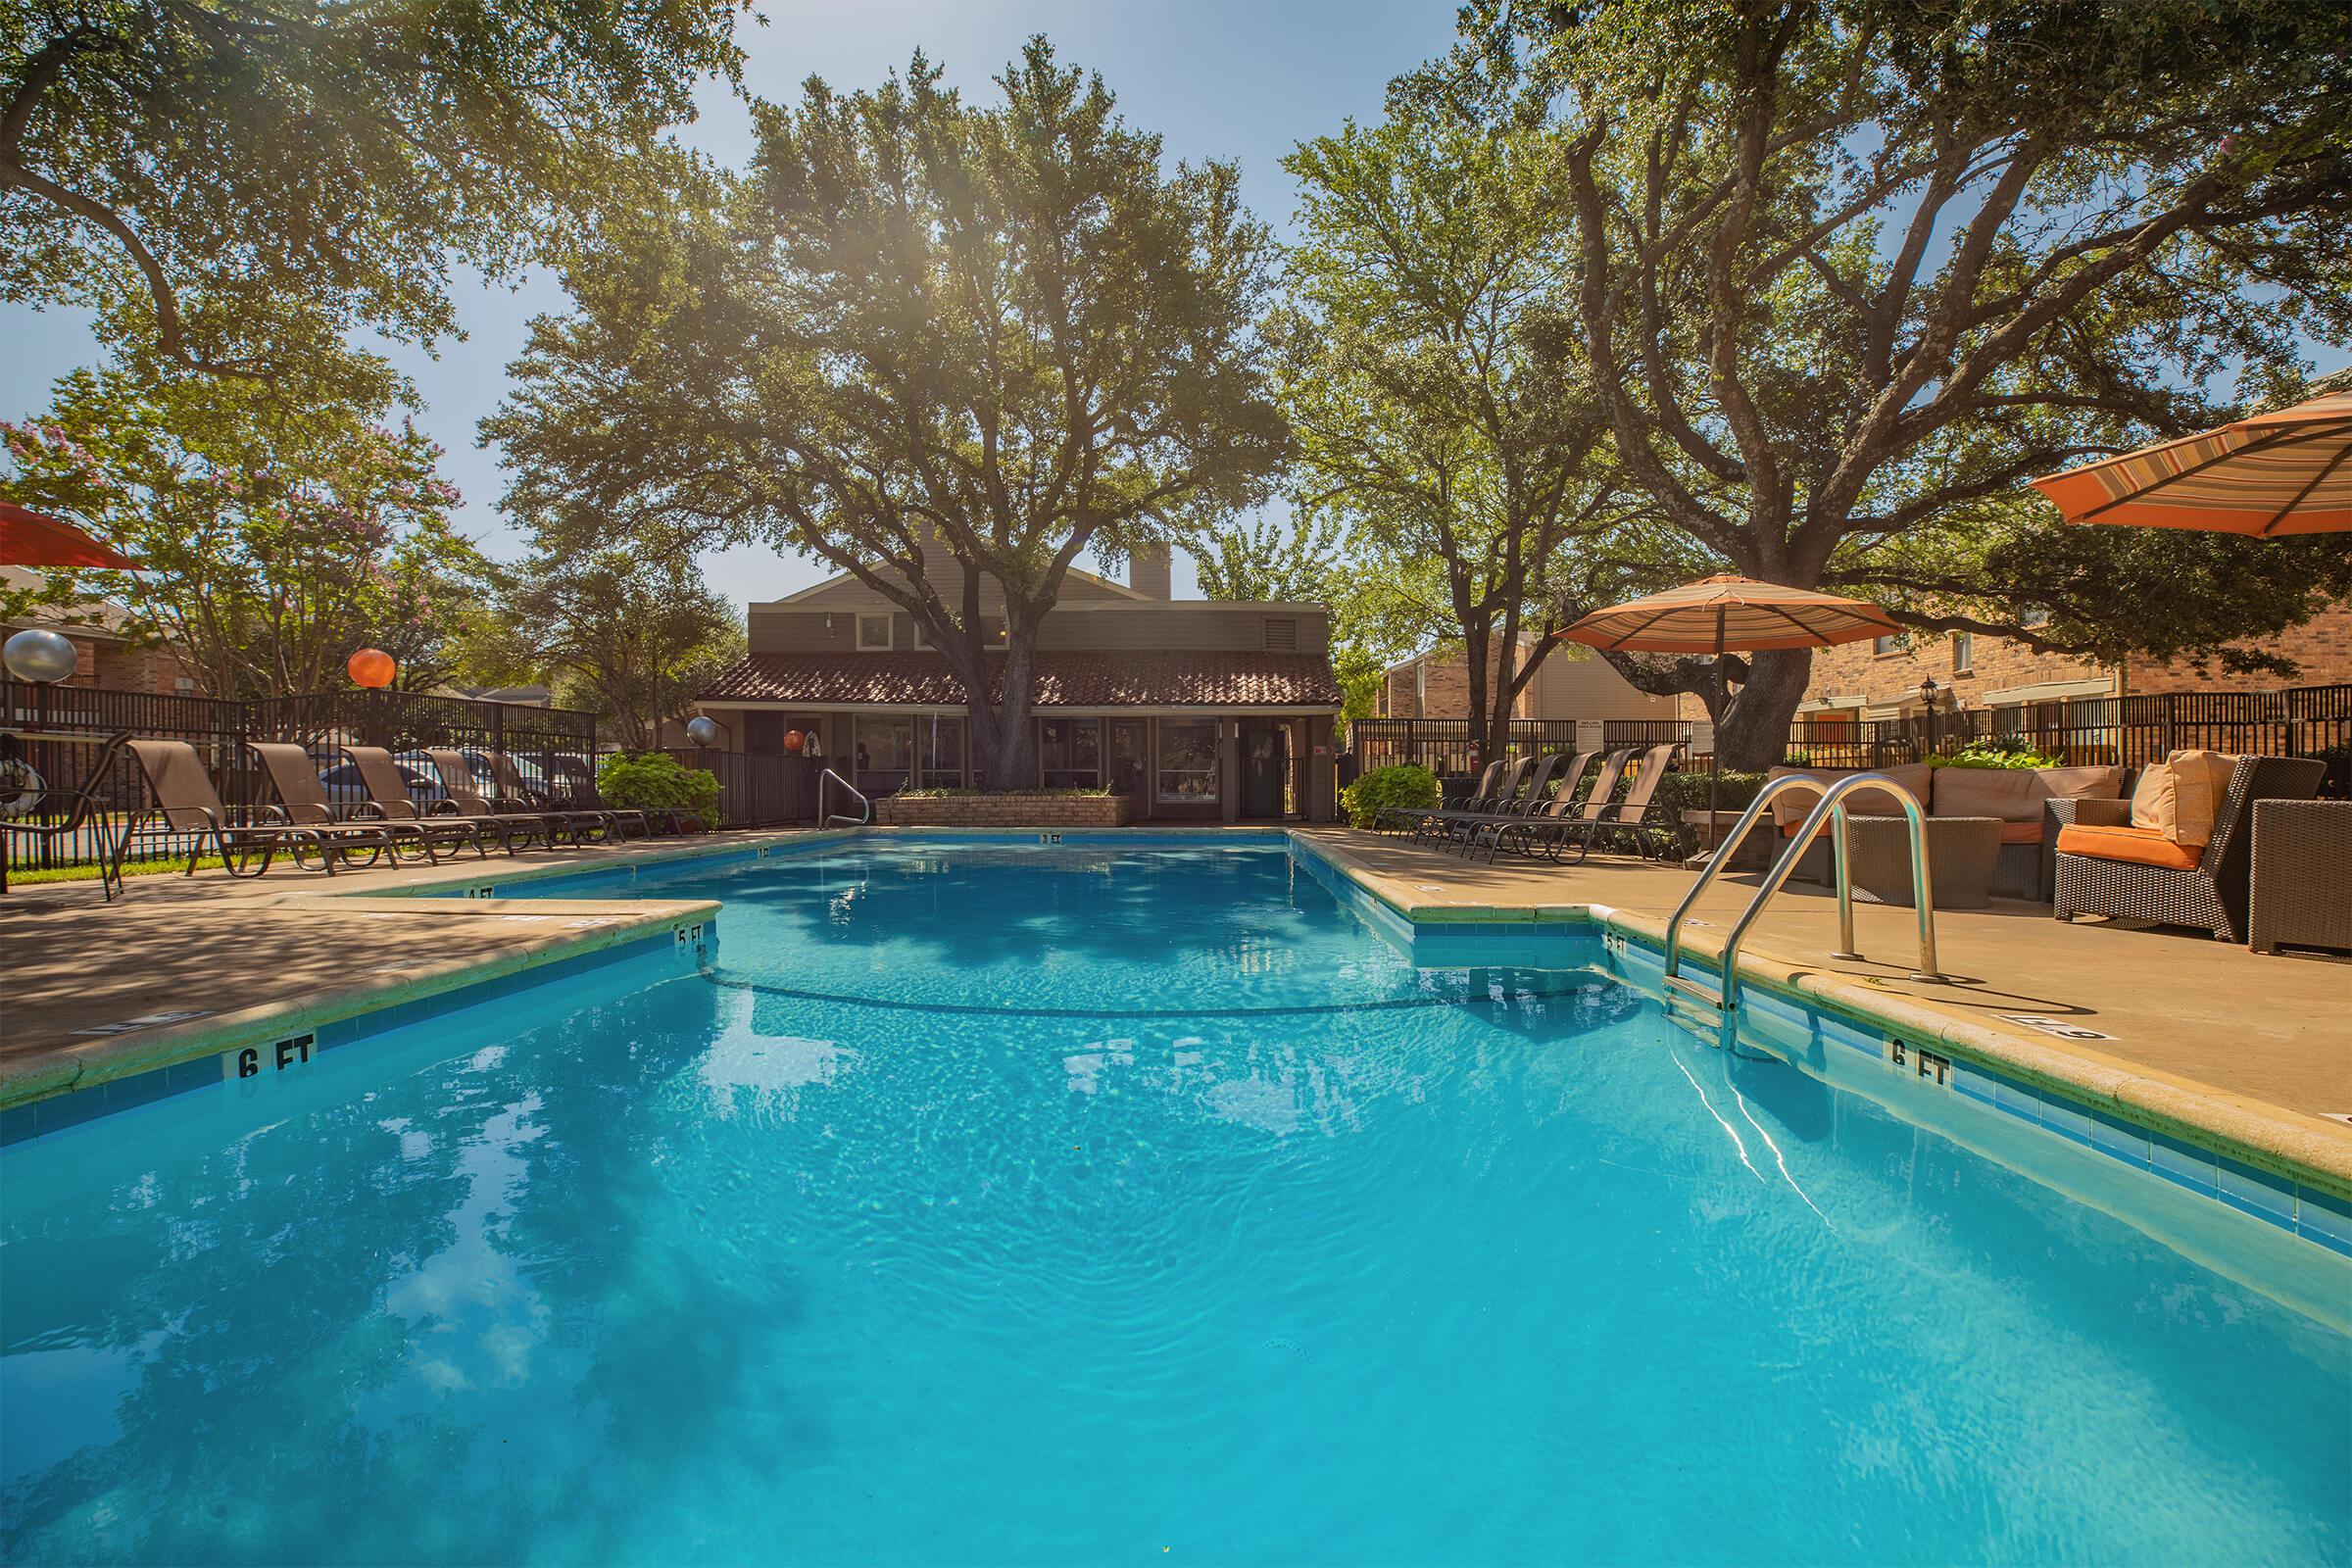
(995, 1204)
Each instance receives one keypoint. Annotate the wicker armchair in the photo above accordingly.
(2212, 894)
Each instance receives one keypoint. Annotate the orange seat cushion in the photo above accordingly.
(2140, 846)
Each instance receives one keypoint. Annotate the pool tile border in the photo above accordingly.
(35, 1119)
(2289, 1199)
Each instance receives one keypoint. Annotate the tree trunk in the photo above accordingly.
(1753, 735)
(1474, 643)
(1005, 747)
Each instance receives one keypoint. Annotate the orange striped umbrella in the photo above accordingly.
(2276, 473)
(1730, 613)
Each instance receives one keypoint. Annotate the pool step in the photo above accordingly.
(1678, 988)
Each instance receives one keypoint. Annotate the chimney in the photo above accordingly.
(1148, 571)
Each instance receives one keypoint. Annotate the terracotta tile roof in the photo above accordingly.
(1065, 678)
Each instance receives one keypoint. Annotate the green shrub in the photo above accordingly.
(1997, 750)
(651, 781)
(1687, 792)
(1405, 784)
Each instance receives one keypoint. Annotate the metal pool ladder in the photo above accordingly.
(830, 819)
(1723, 1000)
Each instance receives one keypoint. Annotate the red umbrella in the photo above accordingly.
(29, 539)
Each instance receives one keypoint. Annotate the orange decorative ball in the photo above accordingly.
(793, 740)
(372, 668)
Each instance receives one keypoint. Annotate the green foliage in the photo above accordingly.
(1853, 274)
(240, 183)
(1997, 750)
(655, 781)
(278, 537)
(918, 331)
(1265, 560)
(1687, 791)
(1460, 461)
(1407, 784)
(631, 633)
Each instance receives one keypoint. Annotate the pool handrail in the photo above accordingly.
(1831, 805)
(827, 775)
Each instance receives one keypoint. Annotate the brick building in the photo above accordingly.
(1573, 682)
(1881, 679)
(109, 655)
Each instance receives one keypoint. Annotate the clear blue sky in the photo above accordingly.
(1236, 80)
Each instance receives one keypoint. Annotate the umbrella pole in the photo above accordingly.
(1715, 755)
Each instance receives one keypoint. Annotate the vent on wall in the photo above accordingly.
(1282, 635)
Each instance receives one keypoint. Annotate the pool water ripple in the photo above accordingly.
(1225, 1234)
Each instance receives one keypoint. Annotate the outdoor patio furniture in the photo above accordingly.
(1460, 825)
(1624, 816)
(1406, 819)
(512, 821)
(2106, 866)
(2301, 892)
(388, 798)
(1962, 854)
(303, 801)
(87, 810)
(184, 797)
(580, 793)
(1493, 833)
(1496, 798)
(580, 823)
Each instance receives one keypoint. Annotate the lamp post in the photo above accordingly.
(1927, 694)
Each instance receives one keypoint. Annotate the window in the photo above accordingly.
(1069, 752)
(1188, 761)
(884, 752)
(1898, 643)
(873, 632)
(939, 752)
(1964, 653)
(1127, 756)
(1282, 634)
(2031, 617)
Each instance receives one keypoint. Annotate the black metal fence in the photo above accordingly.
(44, 750)
(758, 791)
(1448, 747)
(2132, 731)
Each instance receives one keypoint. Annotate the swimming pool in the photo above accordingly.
(993, 1202)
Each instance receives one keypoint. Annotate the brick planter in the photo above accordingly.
(1005, 811)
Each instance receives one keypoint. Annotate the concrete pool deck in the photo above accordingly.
(2250, 1048)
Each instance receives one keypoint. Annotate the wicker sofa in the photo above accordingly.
(2206, 889)
(2019, 797)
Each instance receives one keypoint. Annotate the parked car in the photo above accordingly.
(533, 778)
(344, 786)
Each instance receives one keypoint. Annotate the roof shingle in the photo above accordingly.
(1065, 678)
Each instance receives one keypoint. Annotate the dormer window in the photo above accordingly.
(873, 633)
(1282, 634)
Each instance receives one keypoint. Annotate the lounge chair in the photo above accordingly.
(580, 823)
(511, 820)
(388, 798)
(1454, 826)
(294, 776)
(580, 793)
(87, 808)
(1433, 822)
(184, 797)
(1518, 831)
(2107, 866)
(1603, 816)
(1399, 818)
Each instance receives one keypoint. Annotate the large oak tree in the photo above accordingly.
(918, 332)
(237, 182)
(1851, 273)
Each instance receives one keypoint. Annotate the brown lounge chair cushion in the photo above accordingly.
(2140, 846)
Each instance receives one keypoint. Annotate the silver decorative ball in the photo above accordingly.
(40, 656)
(702, 731)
